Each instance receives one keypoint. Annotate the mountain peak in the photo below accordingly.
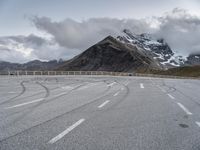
(110, 55)
(156, 48)
(127, 31)
(108, 39)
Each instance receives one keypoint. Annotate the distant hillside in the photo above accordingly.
(32, 65)
(128, 52)
(187, 71)
(111, 55)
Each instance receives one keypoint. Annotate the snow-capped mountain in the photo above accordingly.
(128, 52)
(111, 55)
(193, 59)
(156, 48)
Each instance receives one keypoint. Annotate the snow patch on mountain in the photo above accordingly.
(157, 48)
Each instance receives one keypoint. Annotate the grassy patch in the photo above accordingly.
(188, 71)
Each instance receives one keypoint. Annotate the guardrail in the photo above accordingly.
(18, 73)
(164, 76)
(40, 73)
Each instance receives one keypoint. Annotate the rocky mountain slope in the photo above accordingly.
(128, 52)
(158, 49)
(111, 55)
(193, 59)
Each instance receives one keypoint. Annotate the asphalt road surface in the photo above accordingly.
(99, 113)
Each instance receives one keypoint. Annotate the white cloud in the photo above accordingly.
(181, 30)
(26, 48)
(80, 35)
(69, 37)
(178, 27)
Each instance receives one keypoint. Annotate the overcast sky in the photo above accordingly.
(48, 29)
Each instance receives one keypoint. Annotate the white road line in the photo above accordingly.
(141, 86)
(198, 123)
(103, 104)
(11, 92)
(67, 87)
(61, 135)
(60, 94)
(111, 84)
(172, 97)
(83, 87)
(27, 103)
(127, 83)
(116, 94)
(184, 109)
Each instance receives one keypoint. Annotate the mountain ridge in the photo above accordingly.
(110, 55)
(31, 65)
(159, 49)
(127, 52)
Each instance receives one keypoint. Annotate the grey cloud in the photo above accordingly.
(69, 37)
(3, 48)
(180, 29)
(26, 48)
(36, 40)
(80, 35)
(30, 39)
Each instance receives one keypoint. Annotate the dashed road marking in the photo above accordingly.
(111, 84)
(198, 123)
(27, 103)
(103, 104)
(127, 83)
(141, 86)
(116, 94)
(60, 94)
(11, 92)
(172, 97)
(62, 134)
(184, 109)
(67, 87)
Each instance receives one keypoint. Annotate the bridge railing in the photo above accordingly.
(51, 73)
